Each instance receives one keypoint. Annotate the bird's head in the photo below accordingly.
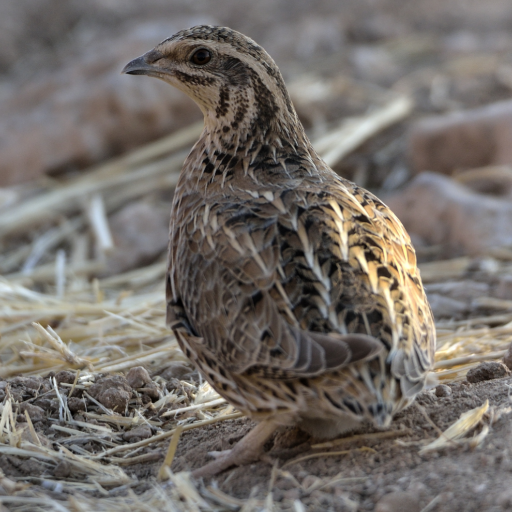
(234, 81)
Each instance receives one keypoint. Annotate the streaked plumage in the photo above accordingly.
(293, 290)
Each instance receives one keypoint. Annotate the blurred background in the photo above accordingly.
(408, 99)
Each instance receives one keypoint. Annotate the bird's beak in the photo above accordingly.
(138, 66)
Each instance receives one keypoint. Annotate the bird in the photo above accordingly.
(294, 291)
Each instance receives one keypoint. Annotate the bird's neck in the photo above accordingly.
(218, 165)
(243, 141)
(251, 140)
(242, 117)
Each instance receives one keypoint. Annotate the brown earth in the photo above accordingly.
(370, 473)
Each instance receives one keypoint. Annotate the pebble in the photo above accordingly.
(176, 370)
(113, 392)
(137, 434)
(487, 371)
(62, 469)
(65, 376)
(442, 390)
(76, 404)
(399, 501)
(138, 377)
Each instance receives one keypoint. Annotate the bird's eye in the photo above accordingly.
(201, 57)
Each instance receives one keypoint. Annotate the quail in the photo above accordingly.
(294, 291)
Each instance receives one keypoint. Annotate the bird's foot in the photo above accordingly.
(248, 449)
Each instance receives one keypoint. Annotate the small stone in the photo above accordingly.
(62, 469)
(151, 391)
(34, 383)
(138, 377)
(137, 434)
(285, 484)
(65, 377)
(487, 371)
(35, 412)
(417, 488)
(115, 399)
(398, 501)
(443, 390)
(176, 370)
(76, 404)
(277, 495)
(112, 392)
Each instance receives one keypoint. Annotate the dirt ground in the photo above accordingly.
(353, 475)
(458, 479)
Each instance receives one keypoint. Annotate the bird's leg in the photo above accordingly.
(248, 449)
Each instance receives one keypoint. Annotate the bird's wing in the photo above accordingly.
(294, 284)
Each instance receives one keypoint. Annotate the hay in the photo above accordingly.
(453, 435)
(56, 315)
